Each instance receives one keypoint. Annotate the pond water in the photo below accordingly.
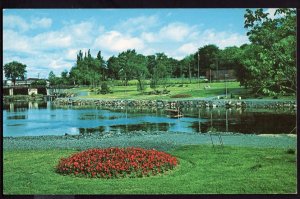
(34, 119)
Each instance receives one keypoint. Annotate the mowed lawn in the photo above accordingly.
(193, 90)
(202, 169)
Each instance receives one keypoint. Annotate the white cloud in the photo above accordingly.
(221, 39)
(149, 37)
(57, 49)
(79, 30)
(114, 41)
(18, 23)
(71, 54)
(140, 23)
(41, 23)
(41, 63)
(15, 22)
(14, 41)
(52, 40)
(175, 32)
(188, 48)
(58, 63)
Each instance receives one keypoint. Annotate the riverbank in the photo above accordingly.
(159, 140)
(183, 103)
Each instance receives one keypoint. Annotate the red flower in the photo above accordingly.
(117, 162)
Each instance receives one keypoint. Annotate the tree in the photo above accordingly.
(126, 70)
(161, 69)
(232, 58)
(138, 63)
(101, 65)
(272, 62)
(41, 82)
(88, 70)
(186, 64)
(65, 77)
(15, 70)
(208, 57)
(53, 80)
(113, 68)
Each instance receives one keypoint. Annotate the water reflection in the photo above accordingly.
(17, 117)
(24, 106)
(44, 118)
(248, 122)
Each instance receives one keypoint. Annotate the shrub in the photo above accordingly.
(104, 89)
(290, 151)
(116, 162)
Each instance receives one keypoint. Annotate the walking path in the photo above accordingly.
(158, 140)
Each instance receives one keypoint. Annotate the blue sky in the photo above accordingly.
(49, 39)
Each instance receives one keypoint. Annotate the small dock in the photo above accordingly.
(174, 113)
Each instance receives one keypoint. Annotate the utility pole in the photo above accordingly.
(226, 84)
(198, 71)
(218, 70)
(190, 74)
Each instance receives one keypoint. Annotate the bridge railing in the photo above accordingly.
(39, 86)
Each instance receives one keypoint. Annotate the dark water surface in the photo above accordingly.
(33, 119)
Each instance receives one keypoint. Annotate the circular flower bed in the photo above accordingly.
(117, 162)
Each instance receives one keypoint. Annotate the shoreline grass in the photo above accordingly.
(202, 169)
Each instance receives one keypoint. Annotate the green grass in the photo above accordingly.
(177, 86)
(194, 90)
(202, 169)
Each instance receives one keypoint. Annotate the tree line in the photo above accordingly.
(267, 64)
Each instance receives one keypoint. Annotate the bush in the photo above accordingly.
(105, 89)
(116, 163)
(290, 151)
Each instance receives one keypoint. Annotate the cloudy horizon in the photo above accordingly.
(49, 39)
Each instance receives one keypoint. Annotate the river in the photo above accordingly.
(44, 118)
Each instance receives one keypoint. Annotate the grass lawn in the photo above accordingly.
(202, 169)
(194, 90)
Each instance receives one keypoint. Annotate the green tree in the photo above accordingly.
(126, 70)
(53, 80)
(113, 68)
(186, 68)
(232, 58)
(101, 65)
(41, 82)
(15, 70)
(208, 58)
(272, 63)
(65, 77)
(161, 69)
(138, 63)
(88, 70)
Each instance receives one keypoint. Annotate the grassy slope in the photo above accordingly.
(202, 170)
(196, 91)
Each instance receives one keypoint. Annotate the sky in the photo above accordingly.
(49, 39)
